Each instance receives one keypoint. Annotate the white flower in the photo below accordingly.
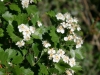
(46, 44)
(68, 72)
(72, 62)
(78, 28)
(25, 3)
(2, 0)
(60, 52)
(65, 58)
(73, 27)
(27, 32)
(39, 23)
(51, 51)
(31, 1)
(56, 58)
(51, 56)
(69, 37)
(60, 16)
(10, 63)
(64, 24)
(22, 27)
(67, 15)
(26, 37)
(20, 43)
(75, 20)
(32, 29)
(60, 29)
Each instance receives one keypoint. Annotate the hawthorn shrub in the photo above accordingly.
(28, 47)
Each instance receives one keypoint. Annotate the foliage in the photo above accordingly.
(28, 47)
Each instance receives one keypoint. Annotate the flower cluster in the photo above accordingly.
(25, 3)
(26, 32)
(70, 24)
(60, 55)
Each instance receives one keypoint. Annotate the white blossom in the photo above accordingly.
(2, 0)
(60, 29)
(65, 58)
(51, 51)
(60, 16)
(26, 37)
(32, 29)
(20, 43)
(46, 44)
(39, 23)
(72, 62)
(64, 24)
(67, 15)
(69, 37)
(68, 72)
(56, 58)
(31, 1)
(25, 3)
(75, 20)
(60, 52)
(27, 32)
(22, 27)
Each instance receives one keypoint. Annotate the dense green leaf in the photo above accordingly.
(8, 16)
(2, 7)
(72, 52)
(43, 70)
(32, 9)
(21, 18)
(76, 68)
(17, 59)
(78, 54)
(15, 7)
(35, 49)
(10, 30)
(3, 57)
(60, 68)
(1, 32)
(51, 13)
(54, 36)
(11, 53)
(30, 59)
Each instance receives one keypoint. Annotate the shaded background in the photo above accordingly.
(88, 14)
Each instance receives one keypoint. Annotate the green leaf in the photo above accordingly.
(51, 13)
(8, 16)
(11, 53)
(15, 7)
(30, 59)
(35, 49)
(21, 71)
(3, 57)
(1, 32)
(27, 72)
(76, 68)
(60, 68)
(54, 36)
(78, 54)
(32, 9)
(34, 18)
(43, 70)
(10, 30)
(72, 52)
(2, 7)
(21, 18)
(17, 59)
